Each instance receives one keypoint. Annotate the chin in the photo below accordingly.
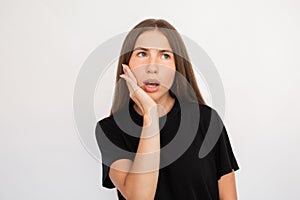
(157, 96)
(154, 96)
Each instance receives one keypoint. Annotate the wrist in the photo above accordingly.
(151, 112)
(151, 116)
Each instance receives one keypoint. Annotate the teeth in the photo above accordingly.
(151, 86)
(152, 83)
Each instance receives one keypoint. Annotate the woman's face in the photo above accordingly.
(153, 64)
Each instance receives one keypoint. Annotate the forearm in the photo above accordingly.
(227, 187)
(143, 176)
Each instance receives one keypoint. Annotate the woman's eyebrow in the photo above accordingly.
(147, 49)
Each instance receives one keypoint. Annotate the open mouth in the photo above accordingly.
(151, 85)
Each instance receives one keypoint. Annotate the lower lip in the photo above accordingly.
(149, 88)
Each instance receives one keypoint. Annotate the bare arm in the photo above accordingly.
(138, 179)
(143, 183)
(227, 187)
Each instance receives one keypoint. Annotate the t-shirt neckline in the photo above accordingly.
(139, 118)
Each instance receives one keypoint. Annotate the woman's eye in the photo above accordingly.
(166, 56)
(141, 54)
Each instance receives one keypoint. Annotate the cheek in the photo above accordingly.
(136, 67)
(168, 75)
(135, 62)
(138, 71)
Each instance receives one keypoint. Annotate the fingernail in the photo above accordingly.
(123, 66)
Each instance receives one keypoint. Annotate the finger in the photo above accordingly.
(129, 72)
(131, 79)
(127, 80)
(132, 86)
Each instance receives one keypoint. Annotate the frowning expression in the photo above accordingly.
(153, 64)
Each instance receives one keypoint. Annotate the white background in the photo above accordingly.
(255, 46)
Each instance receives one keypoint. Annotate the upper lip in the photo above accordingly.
(152, 81)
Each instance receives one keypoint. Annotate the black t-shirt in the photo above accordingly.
(189, 176)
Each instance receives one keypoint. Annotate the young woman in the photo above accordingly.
(149, 103)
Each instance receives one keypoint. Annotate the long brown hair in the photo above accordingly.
(182, 62)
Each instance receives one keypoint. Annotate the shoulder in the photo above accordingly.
(106, 126)
(106, 121)
(193, 109)
(202, 113)
(114, 125)
(205, 111)
(209, 117)
(203, 108)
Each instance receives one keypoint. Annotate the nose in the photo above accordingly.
(152, 66)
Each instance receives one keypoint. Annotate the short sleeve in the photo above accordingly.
(224, 156)
(112, 147)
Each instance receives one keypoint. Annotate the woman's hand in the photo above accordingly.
(137, 94)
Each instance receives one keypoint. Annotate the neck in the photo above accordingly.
(164, 105)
